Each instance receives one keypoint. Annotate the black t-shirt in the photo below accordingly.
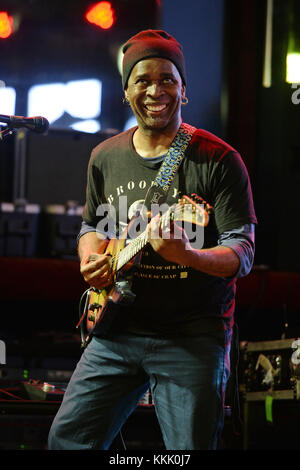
(172, 299)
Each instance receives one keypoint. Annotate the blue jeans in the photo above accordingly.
(187, 377)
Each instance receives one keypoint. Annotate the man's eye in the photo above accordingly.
(168, 80)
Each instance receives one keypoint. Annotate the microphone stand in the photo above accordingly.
(19, 161)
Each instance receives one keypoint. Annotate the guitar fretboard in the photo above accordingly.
(131, 250)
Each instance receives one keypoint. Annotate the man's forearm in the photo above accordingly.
(89, 243)
(219, 261)
(97, 271)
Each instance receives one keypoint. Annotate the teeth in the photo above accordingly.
(156, 108)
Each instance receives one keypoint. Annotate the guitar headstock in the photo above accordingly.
(193, 209)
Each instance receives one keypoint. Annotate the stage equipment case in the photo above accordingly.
(270, 385)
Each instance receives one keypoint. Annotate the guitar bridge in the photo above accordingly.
(122, 293)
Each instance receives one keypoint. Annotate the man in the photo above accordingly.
(175, 337)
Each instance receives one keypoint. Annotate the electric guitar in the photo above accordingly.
(101, 305)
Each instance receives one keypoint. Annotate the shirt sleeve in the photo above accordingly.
(242, 242)
(85, 228)
(232, 194)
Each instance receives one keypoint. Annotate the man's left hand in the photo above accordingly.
(169, 241)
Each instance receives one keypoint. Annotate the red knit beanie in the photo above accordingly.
(152, 43)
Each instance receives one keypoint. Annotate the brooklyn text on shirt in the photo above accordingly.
(134, 185)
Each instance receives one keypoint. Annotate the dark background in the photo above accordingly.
(224, 44)
(224, 48)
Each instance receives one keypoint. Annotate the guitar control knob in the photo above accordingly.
(94, 306)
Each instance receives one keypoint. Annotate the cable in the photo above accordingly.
(122, 440)
(11, 395)
(236, 410)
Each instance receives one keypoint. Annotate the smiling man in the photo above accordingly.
(175, 337)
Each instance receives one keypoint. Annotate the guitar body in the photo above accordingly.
(98, 302)
(102, 305)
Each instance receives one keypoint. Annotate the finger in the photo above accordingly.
(100, 272)
(92, 271)
(92, 266)
(99, 279)
(93, 257)
(154, 227)
(165, 230)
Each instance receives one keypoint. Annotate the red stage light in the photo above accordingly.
(101, 15)
(6, 25)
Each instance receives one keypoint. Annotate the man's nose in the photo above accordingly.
(155, 89)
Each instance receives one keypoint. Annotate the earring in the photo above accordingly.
(125, 101)
(184, 100)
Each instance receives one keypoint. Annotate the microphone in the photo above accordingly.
(37, 124)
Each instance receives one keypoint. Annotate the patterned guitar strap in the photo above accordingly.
(158, 192)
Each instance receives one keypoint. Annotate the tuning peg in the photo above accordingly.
(199, 200)
(208, 208)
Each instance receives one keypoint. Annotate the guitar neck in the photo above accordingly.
(135, 246)
(132, 249)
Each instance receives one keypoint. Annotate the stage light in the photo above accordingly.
(6, 25)
(83, 98)
(120, 59)
(293, 67)
(101, 14)
(79, 99)
(89, 125)
(8, 100)
(47, 99)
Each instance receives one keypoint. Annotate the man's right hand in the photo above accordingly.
(96, 270)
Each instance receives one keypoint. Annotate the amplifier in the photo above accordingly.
(271, 367)
(19, 226)
(60, 225)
